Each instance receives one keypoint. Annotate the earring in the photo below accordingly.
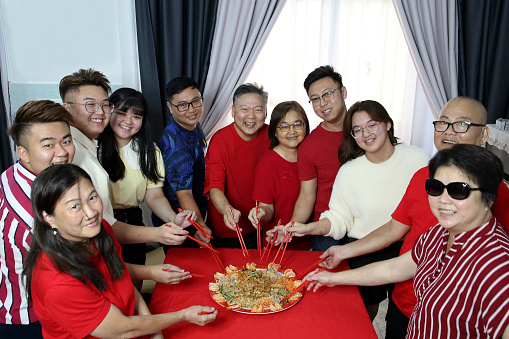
(54, 232)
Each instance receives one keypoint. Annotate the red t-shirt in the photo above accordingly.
(230, 167)
(414, 211)
(318, 158)
(68, 308)
(277, 183)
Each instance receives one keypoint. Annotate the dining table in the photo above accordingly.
(330, 312)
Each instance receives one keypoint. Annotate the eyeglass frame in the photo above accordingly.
(188, 104)
(96, 106)
(446, 187)
(468, 123)
(292, 125)
(322, 97)
(373, 123)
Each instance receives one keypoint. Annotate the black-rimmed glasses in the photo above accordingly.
(326, 97)
(184, 106)
(297, 125)
(93, 106)
(456, 190)
(458, 126)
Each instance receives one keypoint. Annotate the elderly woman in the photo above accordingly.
(368, 187)
(277, 176)
(461, 265)
(75, 275)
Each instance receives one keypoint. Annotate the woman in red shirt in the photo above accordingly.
(76, 279)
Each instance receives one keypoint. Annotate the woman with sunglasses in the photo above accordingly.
(75, 276)
(136, 172)
(277, 182)
(368, 187)
(460, 266)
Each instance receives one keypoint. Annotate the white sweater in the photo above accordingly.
(365, 194)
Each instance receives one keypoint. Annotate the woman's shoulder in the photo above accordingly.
(413, 153)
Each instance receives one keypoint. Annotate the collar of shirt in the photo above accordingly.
(78, 136)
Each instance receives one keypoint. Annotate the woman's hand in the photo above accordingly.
(190, 315)
(280, 230)
(256, 218)
(169, 274)
(198, 235)
(318, 280)
(181, 218)
(171, 234)
(334, 257)
(230, 221)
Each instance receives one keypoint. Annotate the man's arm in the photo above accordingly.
(130, 234)
(306, 201)
(222, 205)
(157, 202)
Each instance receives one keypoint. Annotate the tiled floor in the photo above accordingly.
(157, 257)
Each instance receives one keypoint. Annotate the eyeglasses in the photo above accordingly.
(93, 106)
(371, 127)
(297, 125)
(458, 126)
(456, 190)
(184, 106)
(327, 96)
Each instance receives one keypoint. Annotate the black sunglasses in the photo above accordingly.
(456, 190)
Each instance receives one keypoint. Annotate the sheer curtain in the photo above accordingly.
(364, 42)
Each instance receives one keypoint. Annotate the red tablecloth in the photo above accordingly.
(336, 312)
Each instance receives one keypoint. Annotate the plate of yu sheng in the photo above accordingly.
(255, 290)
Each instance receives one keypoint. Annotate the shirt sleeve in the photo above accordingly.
(76, 307)
(215, 171)
(500, 208)
(339, 213)
(307, 168)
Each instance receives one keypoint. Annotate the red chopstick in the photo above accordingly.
(307, 270)
(218, 261)
(271, 242)
(301, 286)
(201, 243)
(284, 249)
(198, 226)
(239, 235)
(258, 235)
(280, 247)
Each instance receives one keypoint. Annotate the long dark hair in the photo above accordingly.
(279, 113)
(124, 99)
(349, 149)
(68, 256)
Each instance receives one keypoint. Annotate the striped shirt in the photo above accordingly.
(464, 293)
(15, 229)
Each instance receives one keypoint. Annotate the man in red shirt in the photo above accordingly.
(318, 154)
(461, 121)
(234, 151)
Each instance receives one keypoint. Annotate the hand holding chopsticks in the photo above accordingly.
(239, 235)
(205, 234)
(300, 287)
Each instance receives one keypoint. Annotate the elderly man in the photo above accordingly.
(232, 157)
(461, 121)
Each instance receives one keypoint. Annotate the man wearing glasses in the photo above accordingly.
(318, 154)
(85, 96)
(461, 121)
(183, 147)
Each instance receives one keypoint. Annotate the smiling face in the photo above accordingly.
(292, 138)
(249, 113)
(78, 213)
(46, 145)
(189, 118)
(458, 215)
(375, 144)
(90, 124)
(125, 125)
(461, 110)
(332, 112)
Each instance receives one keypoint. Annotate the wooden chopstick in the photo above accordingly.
(198, 226)
(300, 287)
(307, 270)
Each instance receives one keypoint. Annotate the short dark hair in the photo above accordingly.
(323, 72)
(178, 85)
(35, 112)
(279, 113)
(250, 88)
(477, 163)
(83, 77)
(349, 149)
(68, 256)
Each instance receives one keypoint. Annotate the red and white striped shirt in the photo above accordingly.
(464, 294)
(16, 223)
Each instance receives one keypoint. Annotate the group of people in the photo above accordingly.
(73, 237)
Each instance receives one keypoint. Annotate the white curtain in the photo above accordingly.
(241, 30)
(431, 31)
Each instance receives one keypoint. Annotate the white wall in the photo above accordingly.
(48, 39)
